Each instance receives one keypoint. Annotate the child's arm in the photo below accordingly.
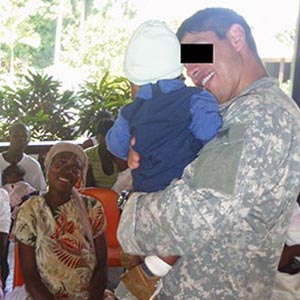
(206, 119)
(118, 137)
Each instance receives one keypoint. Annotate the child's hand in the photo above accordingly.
(133, 156)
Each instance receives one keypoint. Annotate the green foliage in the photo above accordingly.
(43, 56)
(101, 45)
(93, 34)
(105, 94)
(16, 28)
(39, 103)
(53, 114)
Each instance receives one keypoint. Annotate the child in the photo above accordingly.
(17, 188)
(170, 121)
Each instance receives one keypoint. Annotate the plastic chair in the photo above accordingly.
(18, 279)
(108, 199)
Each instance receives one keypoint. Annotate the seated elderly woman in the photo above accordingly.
(61, 233)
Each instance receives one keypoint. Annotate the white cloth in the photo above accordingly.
(287, 287)
(34, 175)
(153, 53)
(293, 234)
(18, 293)
(5, 216)
(17, 191)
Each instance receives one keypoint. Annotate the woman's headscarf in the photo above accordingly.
(67, 147)
(77, 150)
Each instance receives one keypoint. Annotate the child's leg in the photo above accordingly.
(143, 280)
(170, 260)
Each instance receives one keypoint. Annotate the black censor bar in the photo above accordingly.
(196, 53)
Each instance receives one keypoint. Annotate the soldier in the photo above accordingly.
(227, 216)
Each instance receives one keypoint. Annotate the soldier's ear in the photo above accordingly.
(236, 36)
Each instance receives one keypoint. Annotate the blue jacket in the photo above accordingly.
(171, 122)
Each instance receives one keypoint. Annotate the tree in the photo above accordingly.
(102, 44)
(105, 94)
(16, 28)
(39, 102)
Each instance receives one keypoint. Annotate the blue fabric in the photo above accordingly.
(170, 126)
(206, 119)
(118, 138)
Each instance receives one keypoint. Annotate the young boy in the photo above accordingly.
(170, 121)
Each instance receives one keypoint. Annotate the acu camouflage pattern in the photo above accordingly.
(228, 215)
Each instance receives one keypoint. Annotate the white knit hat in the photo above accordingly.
(153, 53)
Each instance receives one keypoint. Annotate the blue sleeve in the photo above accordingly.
(206, 119)
(118, 137)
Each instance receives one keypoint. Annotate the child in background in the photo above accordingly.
(170, 122)
(17, 188)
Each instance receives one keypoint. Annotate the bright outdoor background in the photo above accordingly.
(75, 39)
(81, 44)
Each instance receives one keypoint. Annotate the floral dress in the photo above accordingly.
(64, 256)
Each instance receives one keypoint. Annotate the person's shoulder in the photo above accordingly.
(91, 149)
(90, 142)
(22, 183)
(92, 153)
(30, 160)
(23, 187)
(33, 203)
(4, 197)
(265, 100)
(3, 162)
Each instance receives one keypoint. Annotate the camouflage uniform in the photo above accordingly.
(228, 215)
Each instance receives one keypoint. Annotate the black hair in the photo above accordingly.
(17, 126)
(103, 126)
(218, 20)
(14, 169)
(104, 114)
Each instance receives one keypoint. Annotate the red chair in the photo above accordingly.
(18, 279)
(108, 199)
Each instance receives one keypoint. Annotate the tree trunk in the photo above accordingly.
(59, 27)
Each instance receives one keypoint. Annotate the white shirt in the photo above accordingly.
(34, 175)
(5, 217)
